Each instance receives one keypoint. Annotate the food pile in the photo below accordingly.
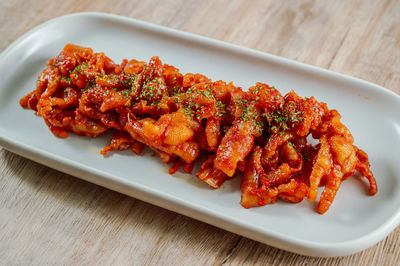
(258, 132)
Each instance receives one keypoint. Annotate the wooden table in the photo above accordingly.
(50, 217)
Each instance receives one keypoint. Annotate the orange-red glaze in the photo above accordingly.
(258, 132)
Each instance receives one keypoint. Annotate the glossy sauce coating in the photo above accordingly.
(258, 132)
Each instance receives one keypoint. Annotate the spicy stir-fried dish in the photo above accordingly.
(258, 132)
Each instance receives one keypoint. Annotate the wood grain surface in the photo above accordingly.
(47, 217)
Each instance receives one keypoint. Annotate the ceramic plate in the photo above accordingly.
(354, 222)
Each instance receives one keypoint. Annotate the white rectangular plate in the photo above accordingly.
(355, 220)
